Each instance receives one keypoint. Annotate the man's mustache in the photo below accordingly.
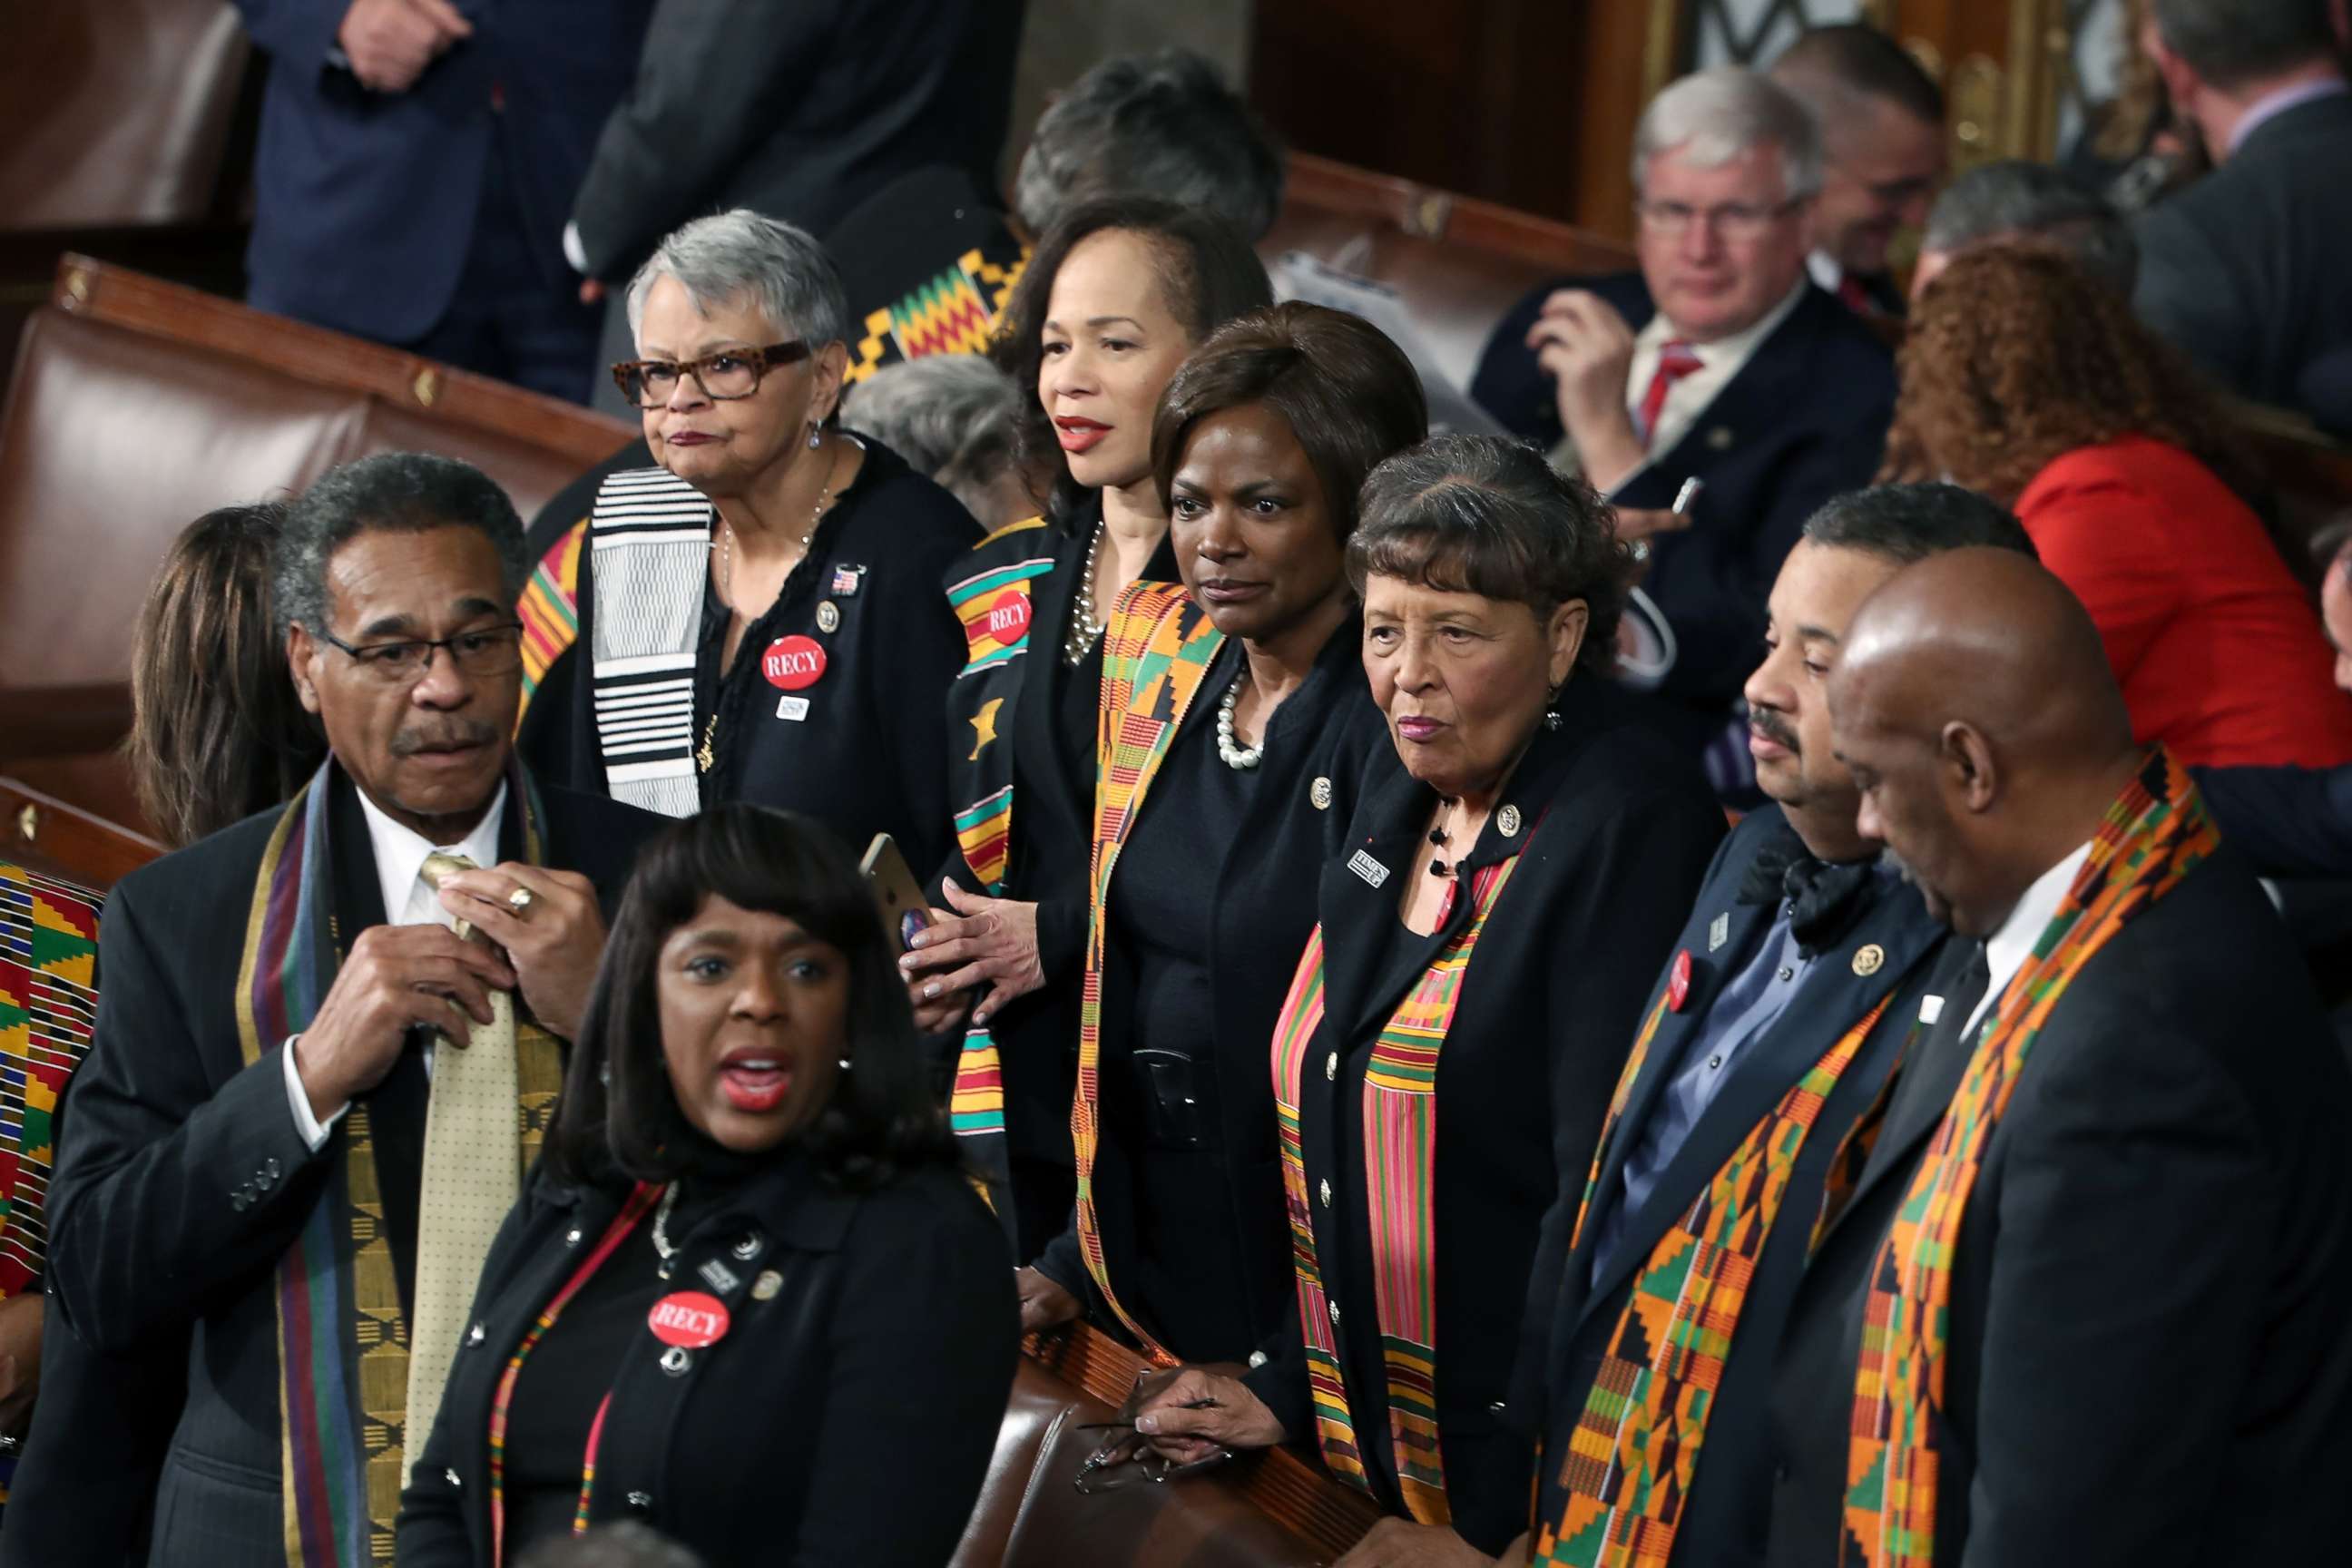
(1773, 728)
(448, 737)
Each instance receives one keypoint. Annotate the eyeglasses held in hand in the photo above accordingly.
(1120, 1461)
(484, 650)
(724, 377)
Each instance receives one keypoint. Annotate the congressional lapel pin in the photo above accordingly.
(1370, 869)
(793, 708)
(1508, 821)
(1678, 982)
(765, 1287)
(1319, 794)
(794, 663)
(1719, 438)
(718, 1277)
(689, 1320)
(1868, 957)
(846, 581)
(1718, 931)
(828, 615)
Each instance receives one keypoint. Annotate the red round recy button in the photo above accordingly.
(1008, 616)
(1678, 982)
(794, 663)
(688, 1318)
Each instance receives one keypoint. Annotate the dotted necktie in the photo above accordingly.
(473, 1135)
(1675, 361)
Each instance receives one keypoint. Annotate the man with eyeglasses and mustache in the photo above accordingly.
(1667, 1270)
(1718, 362)
(329, 1037)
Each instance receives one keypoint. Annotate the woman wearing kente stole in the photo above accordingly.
(1453, 1030)
(1119, 292)
(1235, 732)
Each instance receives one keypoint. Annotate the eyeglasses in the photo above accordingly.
(724, 377)
(484, 650)
(1119, 1461)
(1735, 221)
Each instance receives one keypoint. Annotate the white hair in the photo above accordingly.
(734, 255)
(1712, 117)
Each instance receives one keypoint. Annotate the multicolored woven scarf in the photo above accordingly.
(1156, 653)
(343, 1338)
(1399, 1126)
(996, 601)
(1636, 1446)
(2155, 834)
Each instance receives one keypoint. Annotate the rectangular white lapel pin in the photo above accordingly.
(1370, 870)
(1720, 933)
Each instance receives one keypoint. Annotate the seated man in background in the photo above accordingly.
(309, 1098)
(2245, 270)
(2014, 199)
(1720, 362)
(1881, 124)
(2084, 1303)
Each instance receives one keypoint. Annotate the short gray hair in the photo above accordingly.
(951, 417)
(399, 492)
(1163, 125)
(1714, 116)
(2016, 199)
(733, 255)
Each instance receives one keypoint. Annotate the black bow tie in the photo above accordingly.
(1825, 897)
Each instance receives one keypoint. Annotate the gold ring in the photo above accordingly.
(520, 901)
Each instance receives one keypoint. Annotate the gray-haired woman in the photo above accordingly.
(759, 616)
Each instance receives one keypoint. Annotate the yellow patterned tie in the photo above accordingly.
(471, 1178)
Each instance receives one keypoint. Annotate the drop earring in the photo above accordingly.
(813, 436)
(1551, 719)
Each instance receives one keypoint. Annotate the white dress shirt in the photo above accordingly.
(408, 901)
(1718, 362)
(2006, 949)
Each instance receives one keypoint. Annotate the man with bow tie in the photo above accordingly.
(1665, 1270)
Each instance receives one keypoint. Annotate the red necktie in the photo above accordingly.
(1856, 297)
(1675, 361)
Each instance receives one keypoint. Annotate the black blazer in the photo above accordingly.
(2286, 821)
(1618, 828)
(2244, 270)
(1571, 1313)
(2149, 1360)
(869, 755)
(1805, 419)
(794, 111)
(1263, 882)
(847, 1419)
(165, 1123)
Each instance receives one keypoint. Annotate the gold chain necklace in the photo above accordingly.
(707, 756)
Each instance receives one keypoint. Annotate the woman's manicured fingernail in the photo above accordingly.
(1146, 1423)
(930, 992)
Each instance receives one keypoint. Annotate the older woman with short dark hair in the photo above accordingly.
(749, 1298)
(758, 619)
(1453, 1034)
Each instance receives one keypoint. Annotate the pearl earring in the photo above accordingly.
(812, 437)
(844, 1064)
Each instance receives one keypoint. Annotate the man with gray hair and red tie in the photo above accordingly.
(1719, 360)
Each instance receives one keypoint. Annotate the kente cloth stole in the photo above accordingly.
(550, 610)
(1635, 1448)
(649, 542)
(342, 1341)
(1399, 1130)
(1156, 652)
(2155, 834)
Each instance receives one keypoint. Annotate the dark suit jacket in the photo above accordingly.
(167, 1123)
(1618, 828)
(1805, 419)
(365, 202)
(846, 1419)
(2286, 821)
(796, 111)
(2244, 270)
(2147, 1358)
(1572, 1314)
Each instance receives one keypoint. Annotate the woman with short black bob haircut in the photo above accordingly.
(1119, 292)
(1235, 733)
(749, 1208)
(1514, 869)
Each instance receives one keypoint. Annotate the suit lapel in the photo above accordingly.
(1922, 1094)
(1755, 398)
(1036, 705)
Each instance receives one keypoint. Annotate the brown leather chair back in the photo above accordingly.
(1039, 1401)
(117, 115)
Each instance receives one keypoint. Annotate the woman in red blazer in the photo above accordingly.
(2026, 380)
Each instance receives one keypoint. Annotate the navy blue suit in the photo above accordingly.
(368, 206)
(2286, 821)
(1805, 419)
(1572, 1311)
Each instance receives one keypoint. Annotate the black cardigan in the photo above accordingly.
(848, 1418)
(1619, 828)
(869, 755)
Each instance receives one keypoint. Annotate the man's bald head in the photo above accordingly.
(1974, 704)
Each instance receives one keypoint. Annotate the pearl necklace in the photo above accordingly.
(1241, 759)
(1079, 639)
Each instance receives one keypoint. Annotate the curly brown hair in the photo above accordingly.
(2015, 357)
